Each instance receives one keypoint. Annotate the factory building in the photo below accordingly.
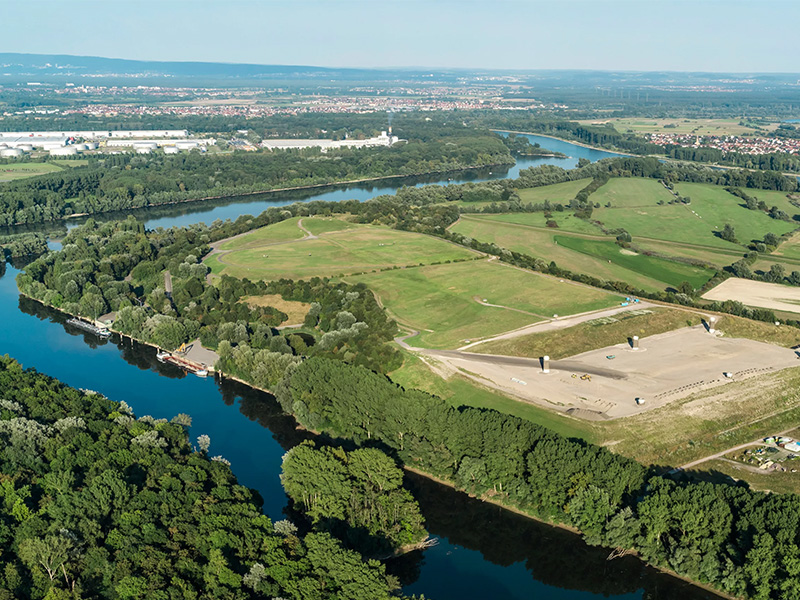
(103, 134)
(384, 139)
(28, 143)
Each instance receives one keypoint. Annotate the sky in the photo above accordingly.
(647, 35)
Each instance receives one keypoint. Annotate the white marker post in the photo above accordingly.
(635, 342)
(711, 322)
(545, 364)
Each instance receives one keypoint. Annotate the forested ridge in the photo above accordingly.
(96, 503)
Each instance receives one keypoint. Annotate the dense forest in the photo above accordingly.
(119, 267)
(96, 503)
(742, 542)
(357, 496)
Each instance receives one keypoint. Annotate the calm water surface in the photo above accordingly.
(484, 552)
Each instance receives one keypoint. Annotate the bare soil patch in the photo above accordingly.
(773, 296)
(296, 311)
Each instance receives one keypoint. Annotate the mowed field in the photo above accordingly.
(22, 170)
(335, 248)
(447, 303)
(595, 255)
(698, 223)
(559, 192)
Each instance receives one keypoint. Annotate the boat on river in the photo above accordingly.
(101, 332)
(187, 365)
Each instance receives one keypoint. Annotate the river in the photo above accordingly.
(483, 552)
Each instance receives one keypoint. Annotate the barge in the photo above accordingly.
(101, 332)
(186, 365)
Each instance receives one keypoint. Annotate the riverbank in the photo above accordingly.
(311, 186)
(574, 143)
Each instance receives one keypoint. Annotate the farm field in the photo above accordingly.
(341, 248)
(694, 126)
(445, 302)
(12, 171)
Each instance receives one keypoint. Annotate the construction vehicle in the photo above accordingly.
(586, 377)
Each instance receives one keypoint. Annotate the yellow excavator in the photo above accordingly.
(183, 348)
(586, 377)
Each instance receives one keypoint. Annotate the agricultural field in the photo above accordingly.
(693, 126)
(22, 170)
(450, 304)
(333, 247)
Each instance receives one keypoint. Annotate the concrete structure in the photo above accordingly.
(44, 142)
(11, 153)
(384, 139)
(171, 150)
(545, 364)
(64, 151)
(635, 342)
(158, 143)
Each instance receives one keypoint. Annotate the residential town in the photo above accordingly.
(728, 143)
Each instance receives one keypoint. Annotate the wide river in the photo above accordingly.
(483, 552)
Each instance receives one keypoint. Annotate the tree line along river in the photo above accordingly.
(483, 552)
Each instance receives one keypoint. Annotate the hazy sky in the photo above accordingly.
(710, 35)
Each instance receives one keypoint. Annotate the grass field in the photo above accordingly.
(670, 272)
(341, 248)
(22, 170)
(591, 335)
(442, 301)
(566, 221)
(559, 192)
(626, 192)
(543, 243)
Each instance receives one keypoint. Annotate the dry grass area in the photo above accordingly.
(781, 335)
(592, 335)
(777, 482)
(773, 296)
(296, 311)
(710, 421)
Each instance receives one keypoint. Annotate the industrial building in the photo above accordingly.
(103, 134)
(384, 139)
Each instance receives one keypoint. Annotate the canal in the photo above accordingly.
(483, 552)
